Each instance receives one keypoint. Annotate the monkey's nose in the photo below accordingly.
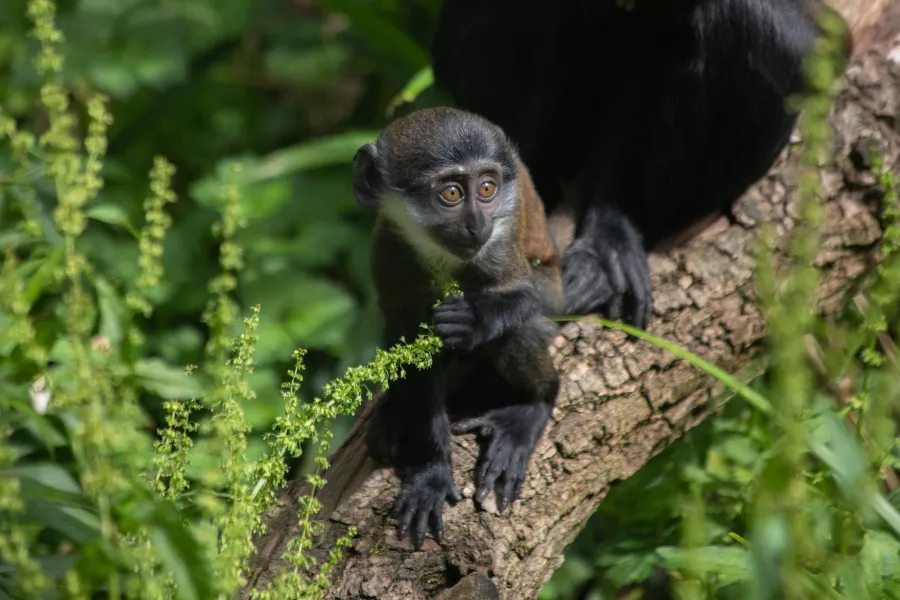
(477, 228)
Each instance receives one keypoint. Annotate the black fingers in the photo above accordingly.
(421, 502)
(406, 507)
(455, 322)
(585, 284)
(506, 465)
(612, 280)
(513, 479)
(613, 268)
(637, 273)
(435, 507)
(478, 424)
(496, 460)
(503, 464)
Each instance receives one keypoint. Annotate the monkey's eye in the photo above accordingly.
(486, 190)
(451, 194)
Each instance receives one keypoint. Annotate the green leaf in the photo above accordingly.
(384, 35)
(112, 311)
(740, 449)
(166, 381)
(880, 561)
(48, 475)
(112, 214)
(265, 198)
(78, 524)
(329, 151)
(851, 579)
(771, 542)
(180, 554)
(419, 82)
(56, 566)
(53, 497)
(335, 150)
(43, 276)
(844, 458)
(112, 76)
(41, 427)
(317, 244)
(729, 564)
(13, 239)
(625, 569)
(112, 7)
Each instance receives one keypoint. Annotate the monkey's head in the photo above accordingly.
(445, 176)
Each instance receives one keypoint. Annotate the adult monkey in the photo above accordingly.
(646, 120)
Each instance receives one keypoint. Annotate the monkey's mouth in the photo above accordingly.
(462, 247)
(466, 249)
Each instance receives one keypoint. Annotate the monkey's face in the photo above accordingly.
(462, 203)
(446, 177)
(450, 211)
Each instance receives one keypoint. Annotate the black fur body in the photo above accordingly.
(644, 121)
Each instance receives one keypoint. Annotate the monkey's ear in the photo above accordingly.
(366, 178)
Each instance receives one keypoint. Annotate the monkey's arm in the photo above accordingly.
(606, 267)
(469, 321)
(480, 317)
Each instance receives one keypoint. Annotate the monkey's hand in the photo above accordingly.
(608, 273)
(508, 436)
(468, 322)
(422, 499)
(458, 325)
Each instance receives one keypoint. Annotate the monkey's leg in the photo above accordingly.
(509, 433)
(411, 431)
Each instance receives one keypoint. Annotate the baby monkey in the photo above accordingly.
(456, 203)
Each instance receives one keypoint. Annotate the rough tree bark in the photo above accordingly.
(621, 401)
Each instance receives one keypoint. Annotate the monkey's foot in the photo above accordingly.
(608, 275)
(422, 499)
(508, 436)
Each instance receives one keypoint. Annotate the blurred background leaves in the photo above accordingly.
(287, 88)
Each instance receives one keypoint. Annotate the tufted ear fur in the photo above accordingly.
(367, 184)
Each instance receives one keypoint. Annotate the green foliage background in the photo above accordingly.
(288, 89)
(122, 268)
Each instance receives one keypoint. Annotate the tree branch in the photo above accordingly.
(621, 401)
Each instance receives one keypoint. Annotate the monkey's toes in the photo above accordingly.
(421, 502)
(503, 470)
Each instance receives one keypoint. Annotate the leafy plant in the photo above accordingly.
(92, 501)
